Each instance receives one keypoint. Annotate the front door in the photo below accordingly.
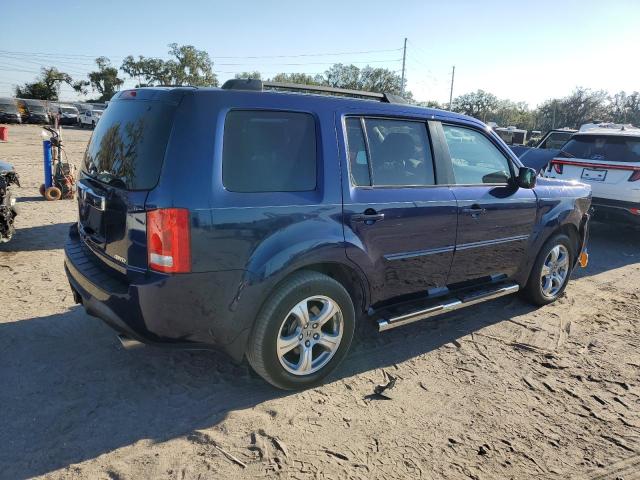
(400, 226)
(495, 217)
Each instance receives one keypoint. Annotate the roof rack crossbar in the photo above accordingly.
(259, 85)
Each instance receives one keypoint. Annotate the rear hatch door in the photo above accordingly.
(122, 163)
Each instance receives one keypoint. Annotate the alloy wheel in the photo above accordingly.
(555, 271)
(310, 335)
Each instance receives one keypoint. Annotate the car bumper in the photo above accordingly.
(616, 210)
(188, 311)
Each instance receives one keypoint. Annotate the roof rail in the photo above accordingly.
(259, 86)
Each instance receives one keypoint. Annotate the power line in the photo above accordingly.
(300, 55)
(302, 63)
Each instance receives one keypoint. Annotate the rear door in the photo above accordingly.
(495, 217)
(400, 226)
(121, 164)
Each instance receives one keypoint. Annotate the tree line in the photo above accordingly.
(187, 65)
(581, 106)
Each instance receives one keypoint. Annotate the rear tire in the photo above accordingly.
(551, 271)
(292, 349)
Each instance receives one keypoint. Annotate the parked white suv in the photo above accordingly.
(607, 157)
(89, 117)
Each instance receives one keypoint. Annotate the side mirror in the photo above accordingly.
(527, 177)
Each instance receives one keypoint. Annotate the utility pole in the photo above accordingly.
(404, 58)
(453, 73)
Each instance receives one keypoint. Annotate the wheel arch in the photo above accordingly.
(348, 276)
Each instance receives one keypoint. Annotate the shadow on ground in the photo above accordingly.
(42, 237)
(71, 393)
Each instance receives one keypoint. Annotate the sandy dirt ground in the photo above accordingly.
(502, 390)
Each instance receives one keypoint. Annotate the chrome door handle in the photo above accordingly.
(367, 217)
(474, 210)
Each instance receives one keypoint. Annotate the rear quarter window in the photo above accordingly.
(603, 148)
(268, 151)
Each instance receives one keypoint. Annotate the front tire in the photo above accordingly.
(302, 332)
(551, 271)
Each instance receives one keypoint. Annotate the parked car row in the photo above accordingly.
(40, 112)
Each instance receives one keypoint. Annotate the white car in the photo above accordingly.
(89, 117)
(607, 157)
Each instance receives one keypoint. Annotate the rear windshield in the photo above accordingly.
(128, 145)
(603, 148)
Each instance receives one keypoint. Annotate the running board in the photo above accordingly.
(448, 306)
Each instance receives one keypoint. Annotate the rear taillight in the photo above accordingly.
(635, 176)
(558, 167)
(634, 211)
(169, 240)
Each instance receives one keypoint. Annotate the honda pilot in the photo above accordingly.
(266, 219)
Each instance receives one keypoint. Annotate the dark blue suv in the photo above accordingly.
(266, 219)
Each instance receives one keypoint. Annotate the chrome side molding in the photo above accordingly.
(448, 306)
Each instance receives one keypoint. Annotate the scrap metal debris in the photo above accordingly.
(379, 390)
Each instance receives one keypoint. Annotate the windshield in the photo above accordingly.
(127, 147)
(35, 108)
(68, 110)
(619, 148)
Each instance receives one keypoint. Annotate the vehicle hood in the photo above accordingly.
(553, 187)
(536, 158)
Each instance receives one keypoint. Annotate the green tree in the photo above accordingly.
(104, 80)
(299, 78)
(381, 80)
(478, 104)
(625, 108)
(46, 87)
(507, 113)
(188, 66)
(582, 106)
(254, 75)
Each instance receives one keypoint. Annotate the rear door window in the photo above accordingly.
(475, 159)
(389, 152)
(128, 145)
(268, 151)
(619, 148)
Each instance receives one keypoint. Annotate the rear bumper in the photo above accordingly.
(616, 210)
(188, 311)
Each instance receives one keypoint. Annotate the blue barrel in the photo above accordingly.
(46, 145)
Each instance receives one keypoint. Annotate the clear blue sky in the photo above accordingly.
(525, 51)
